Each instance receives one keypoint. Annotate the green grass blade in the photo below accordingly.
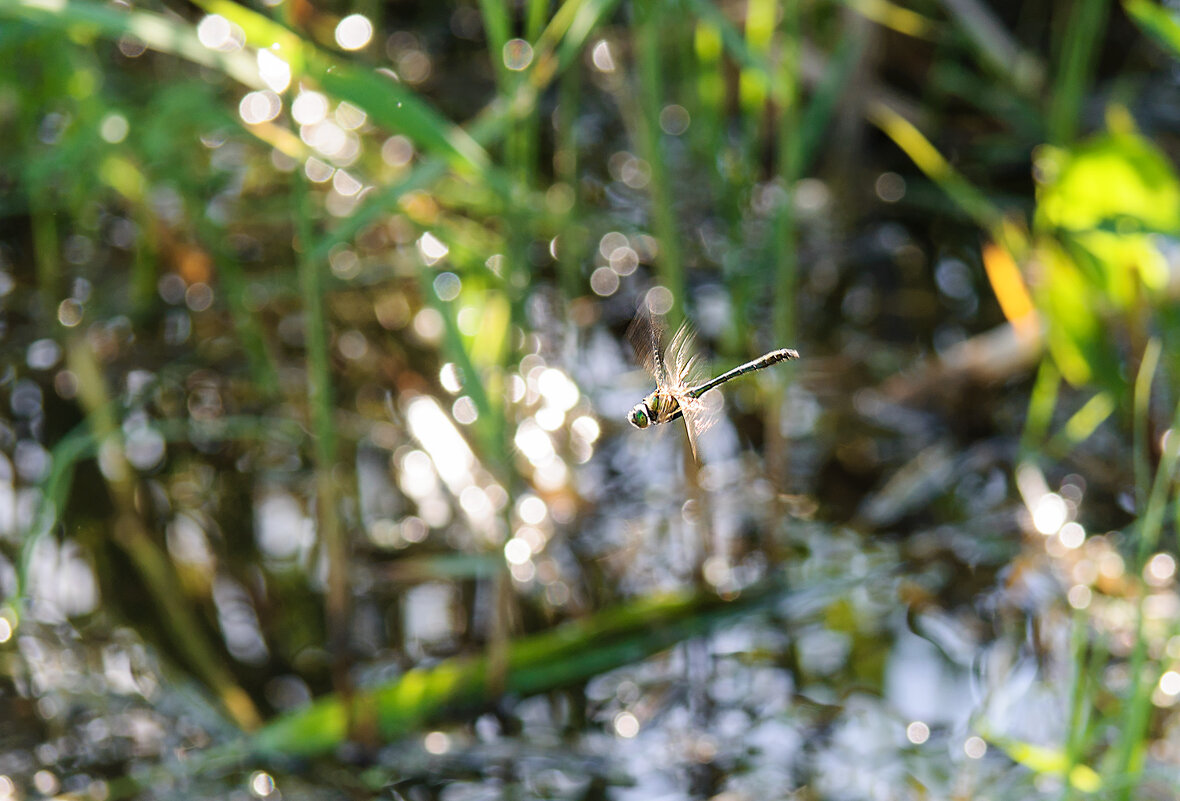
(1129, 749)
(389, 103)
(1142, 400)
(1157, 21)
(568, 654)
(496, 27)
(160, 33)
(1076, 70)
(927, 158)
(649, 55)
(321, 407)
(566, 35)
(1082, 424)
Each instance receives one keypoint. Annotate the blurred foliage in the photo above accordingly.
(313, 467)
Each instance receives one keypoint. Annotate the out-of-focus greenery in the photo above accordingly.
(313, 465)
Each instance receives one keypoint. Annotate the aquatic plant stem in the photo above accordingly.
(649, 54)
(130, 533)
(913, 142)
(320, 410)
(784, 260)
(1140, 446)
(1129, 750)
(572, 240)
(1076, 67)
(568, 654)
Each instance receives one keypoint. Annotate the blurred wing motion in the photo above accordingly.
(645, 335)
(680, 389)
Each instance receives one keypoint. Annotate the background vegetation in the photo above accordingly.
(314, 475)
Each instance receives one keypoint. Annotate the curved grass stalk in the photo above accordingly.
(82, 443)
(565, 655)
(927, 158)
(130, 533)
(160, 33)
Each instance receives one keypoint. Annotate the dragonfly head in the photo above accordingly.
(639, 416)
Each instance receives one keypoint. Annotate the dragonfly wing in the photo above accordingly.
(681, 358)
(644, 334)
(699, 414)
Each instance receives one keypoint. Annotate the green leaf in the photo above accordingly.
(1103, 196)
(1050, 761)
(1110, 178)
(1158, 22)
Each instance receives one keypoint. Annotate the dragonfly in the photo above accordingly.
(680, 383)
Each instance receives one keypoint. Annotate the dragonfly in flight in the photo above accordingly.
(680, 384)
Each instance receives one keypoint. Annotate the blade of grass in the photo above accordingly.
(568, 654)
(927, 158)
(818, 110)
(1142, 419)
(1051, 762)
(1128, 751)
(1080, 701)
(1159, 22)
(783, 242)
(649, 55)
(1041, 404)
(249, 328)
(389, 103)
(556, 48)
(131, 534)
(320, 406)
(80, 444)
(490, 425)
(573, 236)
(1076, 68)
(895, 17)
(1000, 50)
(1082, 424)
(496, 26)
(45, 248)
(160, 33)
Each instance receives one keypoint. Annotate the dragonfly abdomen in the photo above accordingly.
(763, 361)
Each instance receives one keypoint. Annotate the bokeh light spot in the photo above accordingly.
(354, 32)
(601, 57)
(259, 107)
(518, 54)
(659, 300)
(517, 551)
(447, 286)
(274, 71)
(309, 108)
(114, 128)
(604, 282)
(1050, 513)
(1079, 596)
(890, 187)
(432, 248)
(674, 119)
(437, 743)
(1160, 569)
(464, 410)
(626, 725)
(261, 784)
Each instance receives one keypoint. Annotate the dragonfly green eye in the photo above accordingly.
(638, 417)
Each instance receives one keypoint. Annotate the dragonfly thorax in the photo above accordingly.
(658, 407)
